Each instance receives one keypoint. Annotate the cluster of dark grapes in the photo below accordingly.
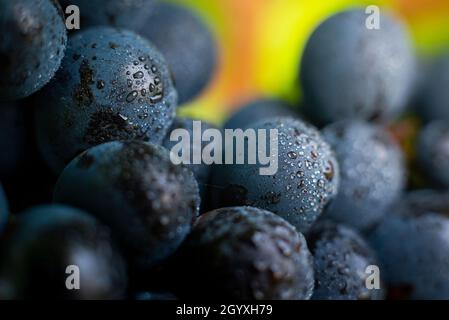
(88, 182)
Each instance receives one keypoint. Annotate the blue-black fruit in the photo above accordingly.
(433, 100)
(433, 152)
(351, 71)
(372, 173)
(32, 44)
(258, 110)
(244, 253)
(306, 179)
(133, 187)
(341, 262)
(412, 243)
(112, 85)
(128, 14)
(186, 43)
(201, 171)
(52, 247)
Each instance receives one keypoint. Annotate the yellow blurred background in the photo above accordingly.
(260, 43)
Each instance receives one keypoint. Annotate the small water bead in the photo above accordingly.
(143, 116)
(121, 97)
(138, 75)
(156, 98)
(132, 96)
(100, 84)
(292, 155)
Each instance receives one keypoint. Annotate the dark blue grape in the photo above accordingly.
(201, 171)
(112, 85)
(48, 239)
(349, 71)
(371, 169)
(32, 44)
(433, 152)
(133, 187)
(434, 96)
(341, 258)
(258, 110)
(244, 253)
(4, 211)
(187, 44)
(129, 14)
(413, 245)
(306, 180)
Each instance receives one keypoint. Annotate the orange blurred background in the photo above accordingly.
(260, 44)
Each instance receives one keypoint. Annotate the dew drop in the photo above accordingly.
(132, 96)
(329, 171)
(292, 155)
(100, 84)
(138, 75)
(300, 173)
(120, 97)
(143, 116)
(156, 98)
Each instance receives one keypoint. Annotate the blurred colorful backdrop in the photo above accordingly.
(260, 44)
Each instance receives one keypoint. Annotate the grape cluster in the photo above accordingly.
(89, 182)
